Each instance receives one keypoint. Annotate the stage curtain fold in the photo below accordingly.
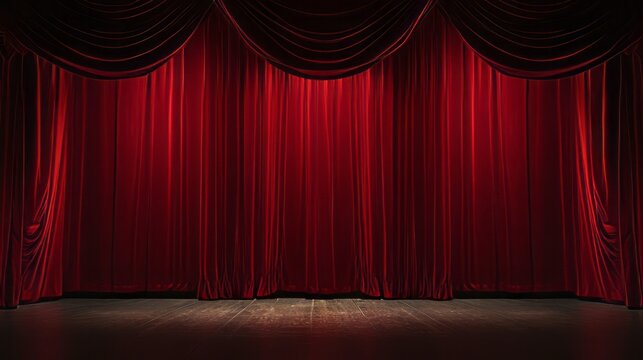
(629, 147)
(13, 105)
(546, 39)
(104, 39)
(328, 39)
(33, 186)
(324, 40)
(219, 174)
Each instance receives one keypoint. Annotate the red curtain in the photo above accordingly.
(103, 39)
(327, 39)
(324, 39)
(628, 167)
(427, 174)
(545, 39)
(14, 109)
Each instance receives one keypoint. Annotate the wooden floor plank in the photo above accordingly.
(321, 328)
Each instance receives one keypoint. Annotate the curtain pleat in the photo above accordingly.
(219, 174)
(104, 39)
(628, 146)
(13, 111)
(325, 40)
(546, 39)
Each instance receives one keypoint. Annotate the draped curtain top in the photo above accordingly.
(324, 39)
(106, 38)
(546, 38)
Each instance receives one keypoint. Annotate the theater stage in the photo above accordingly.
(321, 328)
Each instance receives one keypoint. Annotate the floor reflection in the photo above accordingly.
(321, 329)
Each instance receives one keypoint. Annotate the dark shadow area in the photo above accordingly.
(280, 328)
(509, 295)
(131, 295)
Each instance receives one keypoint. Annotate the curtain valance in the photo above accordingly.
(105, 38)
(330, 39)
(546, 38)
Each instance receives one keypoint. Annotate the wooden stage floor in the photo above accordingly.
(295, 328)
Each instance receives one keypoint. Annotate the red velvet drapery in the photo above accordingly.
(324, 39)
(103, 39)
(426, 174)
(329, 39)
(545, 39)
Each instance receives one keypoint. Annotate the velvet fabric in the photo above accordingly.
(546, 39)
(629, 164)
(104, 39)
(325, 39)
(14, 112)
(220, 174)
